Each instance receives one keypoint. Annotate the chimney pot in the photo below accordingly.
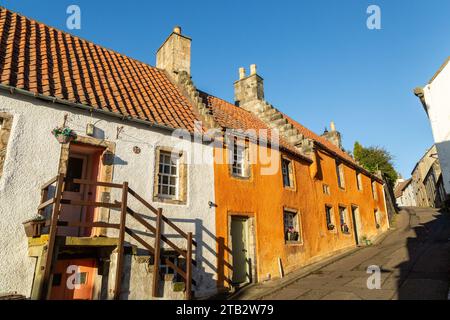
(177, 29)
(174, 55)
(241, 73)
(332, 126)
(252, 69)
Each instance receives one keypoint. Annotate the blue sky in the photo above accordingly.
(318, 59)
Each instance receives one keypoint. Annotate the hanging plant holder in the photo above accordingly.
(64, 134)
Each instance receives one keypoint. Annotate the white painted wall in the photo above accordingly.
(437, 99)
(407, 199)
(32, 159)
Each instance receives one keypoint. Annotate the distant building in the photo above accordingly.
(435, 98)
(428, 182)
(404, 194)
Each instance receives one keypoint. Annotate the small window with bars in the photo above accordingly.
(168, 175)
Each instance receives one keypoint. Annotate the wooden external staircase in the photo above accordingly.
(125, 212)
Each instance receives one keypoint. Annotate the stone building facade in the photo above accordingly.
(435, 99)
(427, 180)
(131, 190)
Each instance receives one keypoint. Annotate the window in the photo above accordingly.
(374, 190)
(330, 218)
(340, 175)
(343, 220)
(239, 165)
(168, 175)
(377, 218)
(326, 189)
(292, 232)
(81, 278)
(288, 173)
(359, 181)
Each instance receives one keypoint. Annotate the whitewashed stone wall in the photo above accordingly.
(437, 100)
(33, 157)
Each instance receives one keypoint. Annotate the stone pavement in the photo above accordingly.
(414, 260)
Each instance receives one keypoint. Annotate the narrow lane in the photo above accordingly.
(414, 261)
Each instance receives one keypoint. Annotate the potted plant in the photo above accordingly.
(33, 227)
(64, 134)
(291, 234)
(344, 228)
(330, 226)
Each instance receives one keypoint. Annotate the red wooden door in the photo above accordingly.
(73, 279)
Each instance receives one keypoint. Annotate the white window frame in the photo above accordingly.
(374, 190)
(359, 183)
(340, 175)
(332, 219)
(343, 218)
(296, 224)
(164, 155)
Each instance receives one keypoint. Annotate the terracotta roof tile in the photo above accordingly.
(44, 60)
(320, 140)
(228, 115)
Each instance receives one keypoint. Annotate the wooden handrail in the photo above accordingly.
(55, 223)
(148, 226)
(49, 183)
(98, 183)
(99, 224)
(140, 240)
(91, 203)
(120, 248)
(45, 204)
(157, 248)
(142, 200)
(188, 291)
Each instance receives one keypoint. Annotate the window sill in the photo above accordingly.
(168, 200)
(290, 188)
(244, 178)
(293, 243)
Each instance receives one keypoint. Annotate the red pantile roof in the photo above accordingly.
(43, 60)
(228, 115)
(398, 192)
(320, 140)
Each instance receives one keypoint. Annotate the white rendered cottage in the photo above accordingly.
(124, 114)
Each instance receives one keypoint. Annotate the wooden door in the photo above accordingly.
(73, 279)
(77, 168)
(239, 242)
(357, 224)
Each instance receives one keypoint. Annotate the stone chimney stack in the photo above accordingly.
(333, 135)
(174, 55)
(248, 88)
